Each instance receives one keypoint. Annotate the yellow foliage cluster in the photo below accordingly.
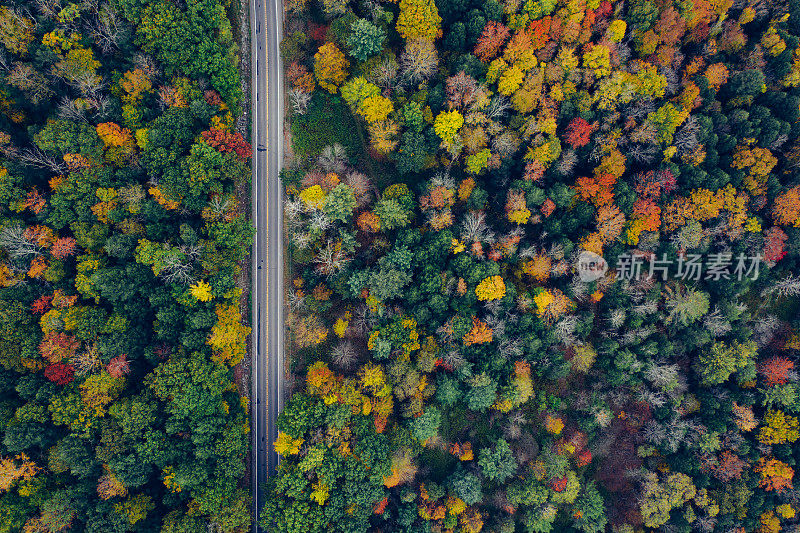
(375, 108)
(201, 291)
(447, 124)
(313, 196)
(553, 424)
(228, 336)
(14, 468)
(491, 288)
(542, 300)
(285, 445)
(704, 204)
(779, 428)
(162, 200)
(418, 19)
(330, 67)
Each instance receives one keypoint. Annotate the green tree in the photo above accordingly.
(365, 39)
(497, 463)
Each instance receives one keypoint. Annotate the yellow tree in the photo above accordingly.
(12, 469)
(16, 31)
(330, 67)
(418, 19)
(228, 335)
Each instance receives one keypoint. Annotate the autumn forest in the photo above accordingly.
(543, 267)
(453, 368)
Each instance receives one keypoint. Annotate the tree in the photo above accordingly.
(419, 60)
(228, 335)
(779, 428)
(490, 42)
(659, 498)
(715, 365)
(775, 370)
(775, 474)
(482, 393)
(686, 305)
(418, 19)
(589, 515)
(426, 425)
(786, 210)
(60, 373)
(466, 486)
(330, 67)
(365, 39)
(226, 142)
(497, 463)
(375, 108)
(491, 288)
(447, 124)
(578, 132)
(16, 31)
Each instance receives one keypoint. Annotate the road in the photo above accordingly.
(266, 32)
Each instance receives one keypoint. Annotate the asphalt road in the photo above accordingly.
(266, 27)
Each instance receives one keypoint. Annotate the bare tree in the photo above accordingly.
(12, 238)
(148, 65)
(788, 286)
(176, 270)
(385, 74)
(34, 157)
(331, 260)
(419, 60)
(333, 158)
(107, 29)
(28, 80)
(88, 361)
(475, 229)
(68, 109)
(49, 8)
(716, 324)
(299, 101)
(344, 355)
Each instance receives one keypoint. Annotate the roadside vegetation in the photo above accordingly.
(120, 235)
(453, 372)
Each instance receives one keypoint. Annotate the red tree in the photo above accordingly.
(559, 484)
(491, 40)
(41, 305)
(381, 505)
(35, 201)
(774, 245)
(584, 458)
(578, 132)
(730, 467)
(56, 346)
(118, 366)
(225, 141)
(539, 31)
(59, 373)
(64, 247)
(775, 370)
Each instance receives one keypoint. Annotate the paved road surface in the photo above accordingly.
(266, 27)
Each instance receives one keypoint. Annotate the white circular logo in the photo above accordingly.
(591, 266)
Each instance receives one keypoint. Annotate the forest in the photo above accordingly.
(452, 369)
(124, 187)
